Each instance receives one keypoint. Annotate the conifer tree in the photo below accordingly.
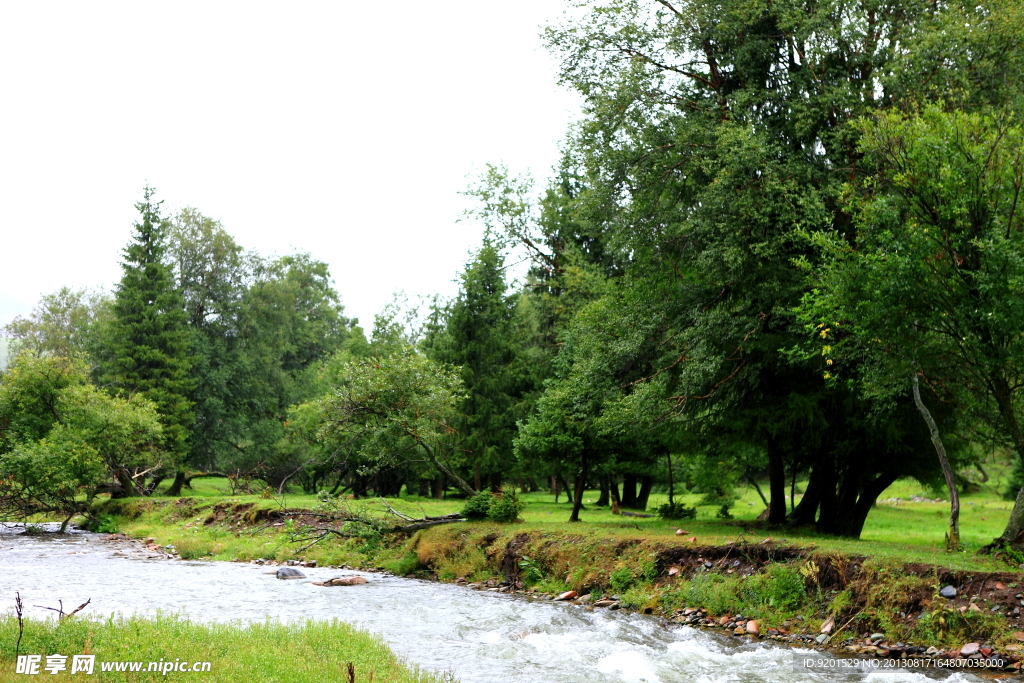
(149, 337)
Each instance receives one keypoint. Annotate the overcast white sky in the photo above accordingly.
(340, 128)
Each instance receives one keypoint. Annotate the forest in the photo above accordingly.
(782, 245)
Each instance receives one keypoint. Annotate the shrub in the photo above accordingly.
(531, 571)
(507, 507)
(676, 511)
(621, 579)
(478, 506)
(723, 512)
(779, 587)
(715, 592)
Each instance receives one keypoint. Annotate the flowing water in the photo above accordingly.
(483, 637)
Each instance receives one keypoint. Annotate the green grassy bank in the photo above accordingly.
(315, 652)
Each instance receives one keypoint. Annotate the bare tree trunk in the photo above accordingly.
(671, 482)
(953, 535)
(1015, 525)
(577, 498)
(776, 485)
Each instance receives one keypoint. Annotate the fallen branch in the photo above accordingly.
(60, 610)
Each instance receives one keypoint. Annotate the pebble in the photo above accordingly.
(948, 592)
(969, 649)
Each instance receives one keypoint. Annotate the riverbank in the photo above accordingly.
(755, 587)
(151, 649)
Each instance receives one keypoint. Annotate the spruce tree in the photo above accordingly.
(149, 340)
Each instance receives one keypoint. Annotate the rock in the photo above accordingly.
(691, 539)
(821, 638)
(1000, 586)
(724, 620)
(932, 651)
(969, 649)
(753, 628)
(672, 571)
(567, 595)
(605, 602)
(289, 573)
(948, 592)
(877, 636)
(681, 532)
(987, 651)
(342, 581)
(739, 630)
(829, 624)
(311, 563)
(974, 608)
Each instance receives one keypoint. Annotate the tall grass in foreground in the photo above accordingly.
(314, 652)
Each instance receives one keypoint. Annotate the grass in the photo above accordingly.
(902, 530)
(314, 652)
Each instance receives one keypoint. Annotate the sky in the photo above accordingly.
(347, 130)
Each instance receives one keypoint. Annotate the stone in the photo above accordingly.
(974, 608)
(724, 620)
(829, 624)
(289, 573)
(692, 539)
(605, 602)
(969, 649)
(753, 628)
(567, 595)
(739, 630)
(948, 592)
(1000, 586)
(681, 532)
(932, 651)
(877, 636)
(343, 581)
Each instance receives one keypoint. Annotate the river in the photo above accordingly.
(483, 637)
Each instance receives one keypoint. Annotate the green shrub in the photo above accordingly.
(779, 587)
(723, 512)
(531, 571)
(404, 565)
(714, 592)
(507, 507)
(478, 506)
(676, 510)
(621, 579)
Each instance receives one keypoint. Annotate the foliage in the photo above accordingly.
(148, 342)
(64, 438)
(393, 408)
(507, 507)
(779, 587)
(478, 506)
(531, 571)
(676, 510)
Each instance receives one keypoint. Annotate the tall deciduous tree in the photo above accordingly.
(931, 281)
(149, 340)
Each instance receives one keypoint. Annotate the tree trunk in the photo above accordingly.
(646, 482)
(613, 490)
(776, 485)
(447, 471)
(477, 482)
(438, 488)
(577, 497)
(556, 487)
(565, 486)
(629, 490)
(602, 500)
(496, 482)
(1012, 534)
(953, 535)
(806, 511)
(174, 490)
(671, 481)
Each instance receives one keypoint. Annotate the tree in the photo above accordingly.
(930, 283)
(62, 438)
(476, 333)
(61, 324)
(149, 339)
(714, 134)
(396, 408)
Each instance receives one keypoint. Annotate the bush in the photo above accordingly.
(507, 507)
(676, 511)
(779, 587)
(478, 506)
(621, 579)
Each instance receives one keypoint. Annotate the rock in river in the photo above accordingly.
(289, 573)
(342, 581)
